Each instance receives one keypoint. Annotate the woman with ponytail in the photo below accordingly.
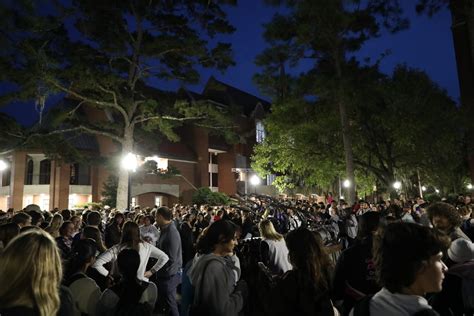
(130, 296)
(85, 291)
(30, 275)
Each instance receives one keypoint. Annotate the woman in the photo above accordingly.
(30, 261)
(130, 296)
(53, 227)
(148, 231)
(273, 248)
(305, 289)
(7, 233)
(64, 241)
(84, 290)
(94, 233)
(131, 239)
(214, 274)
(113, 232)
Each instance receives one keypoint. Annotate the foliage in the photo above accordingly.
(204, 195)
(109, 192)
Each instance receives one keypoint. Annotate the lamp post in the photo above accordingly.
(130, 163)
(255, 180)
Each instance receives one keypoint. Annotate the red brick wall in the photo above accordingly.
(226, 162)
(18, 178)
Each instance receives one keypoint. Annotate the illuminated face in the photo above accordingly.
(229, 246)
(431, 275)
(69, 230)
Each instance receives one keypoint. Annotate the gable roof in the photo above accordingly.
(225, 94)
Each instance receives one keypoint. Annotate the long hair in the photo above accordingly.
(308, 257)
(131, 236)
(30, 271)
(267, 230)
(220, 231)
(129, 288)
(53, 227)
(93, 232)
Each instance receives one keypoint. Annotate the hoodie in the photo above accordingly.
(386, 303)
(218, 293)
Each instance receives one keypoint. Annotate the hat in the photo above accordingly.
(461, 250)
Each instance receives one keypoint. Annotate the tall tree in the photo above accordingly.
(462, 12)
(321, 35)
(103, 53)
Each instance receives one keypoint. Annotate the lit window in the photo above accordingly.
(158, 200)
(259, 131)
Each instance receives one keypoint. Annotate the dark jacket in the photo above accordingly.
(354, 276)
(295, 295)
(170, 243)
(187, 242)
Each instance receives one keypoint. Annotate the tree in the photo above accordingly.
(462, 12)
(323, 34)
(104, 53)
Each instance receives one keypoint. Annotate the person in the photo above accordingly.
(131, 296)
(54, 225)
(93, 232)
(85, 291)
(187, 238)
(64, 241)
(273, 248)
(148, 231)
(214, 274)
(457, 295)
(168, 277)
(354, 276)
(77, 222)
(131, 239)
(30, 261)
(36, 217)
(408, 265)
(7, 233)
(22, 219)
(445, 217)
(305, 289)
(113, 231)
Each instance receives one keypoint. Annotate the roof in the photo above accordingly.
(225, 94)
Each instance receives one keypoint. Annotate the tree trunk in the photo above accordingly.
(346, 137)
(122, 188)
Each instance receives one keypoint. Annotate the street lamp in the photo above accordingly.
(469, 186)
(346, 183)
(397, 185)
(255, 180)
(423, 188)
(436, 190)
(130, 163)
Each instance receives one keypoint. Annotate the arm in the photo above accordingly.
(105, 257)
(162, 258)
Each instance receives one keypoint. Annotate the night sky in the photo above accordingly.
(426, 45)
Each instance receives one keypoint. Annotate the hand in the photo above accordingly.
(148, 274)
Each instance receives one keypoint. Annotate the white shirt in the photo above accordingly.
(145, 251)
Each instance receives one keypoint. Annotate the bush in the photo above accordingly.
(206, 196)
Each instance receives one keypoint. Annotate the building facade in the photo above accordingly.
(201, 159)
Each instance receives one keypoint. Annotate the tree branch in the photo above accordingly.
(85, 129)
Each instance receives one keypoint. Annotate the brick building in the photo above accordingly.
(203, 160)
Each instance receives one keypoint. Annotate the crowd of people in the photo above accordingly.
(263, 256)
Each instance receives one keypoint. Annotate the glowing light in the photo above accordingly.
(346, 183)
(255, 180)
(3, 165)
(397, 185)
(130, 162)
(423, 188)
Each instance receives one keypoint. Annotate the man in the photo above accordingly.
(364, 208)
(446, 218)
(408, 265)
(169, 276)
(21, 219)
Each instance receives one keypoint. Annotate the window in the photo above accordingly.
(29, 173)
(6, 175)
(259, 131)
(45, 172)
(158, 200)
(215, 180)
(80, 174)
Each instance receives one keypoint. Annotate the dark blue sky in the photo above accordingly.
(426, 45)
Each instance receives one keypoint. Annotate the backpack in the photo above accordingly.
(130, 309)
(362, 308)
